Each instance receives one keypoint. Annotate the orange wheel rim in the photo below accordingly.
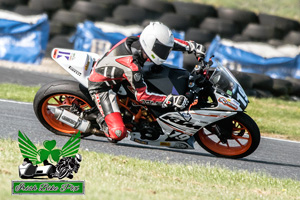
(239, 143)
(64, 101)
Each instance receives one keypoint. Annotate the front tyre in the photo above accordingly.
(62, 94)
(244, 139)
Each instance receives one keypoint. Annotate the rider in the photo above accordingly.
(124, 62)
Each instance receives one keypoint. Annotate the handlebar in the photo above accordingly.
(199, 79)
(203, 64)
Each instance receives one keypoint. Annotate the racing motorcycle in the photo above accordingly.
(215, 117)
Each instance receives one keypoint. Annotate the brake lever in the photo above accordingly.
(208, 65)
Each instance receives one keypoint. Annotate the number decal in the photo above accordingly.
(242, 97)
(179, 136)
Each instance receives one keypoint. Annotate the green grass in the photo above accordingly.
(273, 116)
(118, 177)
(17, 92)
(276, 116)
(284, 8)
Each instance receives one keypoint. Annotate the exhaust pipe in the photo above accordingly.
(72, 120)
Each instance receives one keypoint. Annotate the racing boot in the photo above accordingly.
(103, 126)
(110, 119)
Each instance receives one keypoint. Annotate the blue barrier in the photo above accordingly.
(23, 38)
(254, 62)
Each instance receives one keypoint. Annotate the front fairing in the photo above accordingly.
(226, 84)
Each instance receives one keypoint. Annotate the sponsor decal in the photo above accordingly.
(228, 103)
(140, 141)
(47, 163)
(74, 70)
(167, 144)
(55, 53)
(150, 102)
(71, 121)
(63, 54)
(87, 65)
(181, 146)
(72, 56)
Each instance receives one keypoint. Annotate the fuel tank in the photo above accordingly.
(165, 79)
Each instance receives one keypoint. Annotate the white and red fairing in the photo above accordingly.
(190, 122)
(77, 63)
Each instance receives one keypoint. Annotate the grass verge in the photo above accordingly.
(274, 117)
(18, 92)
(119, 177)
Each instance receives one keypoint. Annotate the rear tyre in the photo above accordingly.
(244, 140)
(61, 94)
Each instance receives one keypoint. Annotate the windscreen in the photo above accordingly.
(225, 82)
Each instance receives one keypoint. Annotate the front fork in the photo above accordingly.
(223, 129)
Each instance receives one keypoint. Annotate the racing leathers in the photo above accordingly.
(123, 62)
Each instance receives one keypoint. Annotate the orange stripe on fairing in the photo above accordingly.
(208, 115)
(177, 129)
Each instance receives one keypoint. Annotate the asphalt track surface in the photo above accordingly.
(278, 158)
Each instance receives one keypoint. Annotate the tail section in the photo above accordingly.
(78, 63)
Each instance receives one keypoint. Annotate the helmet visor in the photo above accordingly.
(161, 50)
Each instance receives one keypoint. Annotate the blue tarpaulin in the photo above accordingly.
(23, 38)
(257, 58)
(91, 38)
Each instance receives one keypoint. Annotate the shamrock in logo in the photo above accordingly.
(29, 150)
(49, 150)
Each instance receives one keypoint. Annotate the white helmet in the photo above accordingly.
(157, 42)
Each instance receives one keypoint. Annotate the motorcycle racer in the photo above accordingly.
(124, 62)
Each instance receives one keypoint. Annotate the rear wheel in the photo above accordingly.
(244, 139)
(63, 94)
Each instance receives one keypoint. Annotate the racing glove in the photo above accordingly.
(198, 49)
(178, 101)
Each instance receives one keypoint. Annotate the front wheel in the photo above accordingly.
(244, 138)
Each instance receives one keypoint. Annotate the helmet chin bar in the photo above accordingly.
(156, 60)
